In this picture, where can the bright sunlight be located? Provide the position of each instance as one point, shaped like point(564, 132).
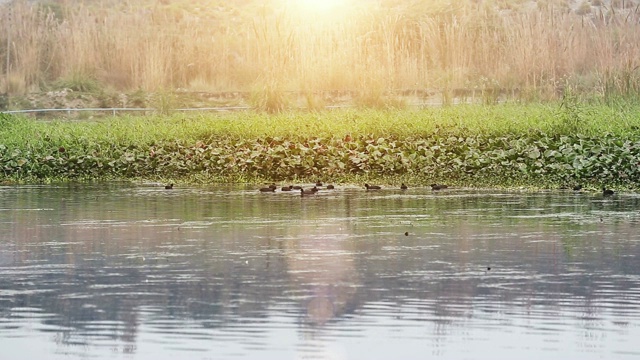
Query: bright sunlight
point(320, 5)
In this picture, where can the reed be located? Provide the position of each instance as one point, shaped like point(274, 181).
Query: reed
point(530, 52)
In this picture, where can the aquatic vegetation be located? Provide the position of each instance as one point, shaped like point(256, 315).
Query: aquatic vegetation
point(475, 145)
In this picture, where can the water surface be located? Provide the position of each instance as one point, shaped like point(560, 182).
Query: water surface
point(218, 272)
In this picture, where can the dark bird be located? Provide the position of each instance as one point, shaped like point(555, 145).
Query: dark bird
point(297, 187)
point(330, 187)
point(438, 186)
point(168, 187)
point(577, 188)
point(406, 233)
point(268, 189)
point(607, 192)
point(318, 183)
point(307, 192)
point(372, 187)
point(403, 187)
point(287, 188)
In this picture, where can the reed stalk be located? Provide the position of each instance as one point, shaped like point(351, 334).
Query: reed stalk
point(527, 51)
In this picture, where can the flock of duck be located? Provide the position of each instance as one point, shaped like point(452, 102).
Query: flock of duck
point(303, 191)
point(319, 184)
point(605, 192)
point(273, 187)
point(435, 187)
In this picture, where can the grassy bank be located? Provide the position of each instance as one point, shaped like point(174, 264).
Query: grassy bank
point(506, 145)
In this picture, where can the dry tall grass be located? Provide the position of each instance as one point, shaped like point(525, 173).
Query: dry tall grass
point(531, 51)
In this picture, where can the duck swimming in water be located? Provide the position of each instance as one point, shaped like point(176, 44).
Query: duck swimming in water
point(607, 192)
point(372, 187)
point(271, 188)
point(308, 192)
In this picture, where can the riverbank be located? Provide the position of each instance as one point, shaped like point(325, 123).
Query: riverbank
point(477, 145)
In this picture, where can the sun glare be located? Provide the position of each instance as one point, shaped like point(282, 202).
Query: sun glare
point(318, 6)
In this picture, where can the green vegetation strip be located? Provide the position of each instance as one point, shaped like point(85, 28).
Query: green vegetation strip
point(502, 145)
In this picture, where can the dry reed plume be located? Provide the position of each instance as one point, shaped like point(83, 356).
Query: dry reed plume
point(447, 45)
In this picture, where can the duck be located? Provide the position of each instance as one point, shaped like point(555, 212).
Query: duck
point(287, 188)
point(330, 187)
point(168, 187)
point(607, 192)
point(372, 187)
point(577, 187)
point(318, 183)
point(270, 188)
point(438, 186)
point(311, 191)
point(297, 187)
point(403, 187)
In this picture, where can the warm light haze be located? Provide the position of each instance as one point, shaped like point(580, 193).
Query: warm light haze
point(525, 48)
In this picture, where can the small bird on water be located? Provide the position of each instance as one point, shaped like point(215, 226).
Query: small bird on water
point(271, 188)
point(372, 187)
point(308, 192)
point(403, 187)
point(168, 187)
point(438, 186)
point(607, 192)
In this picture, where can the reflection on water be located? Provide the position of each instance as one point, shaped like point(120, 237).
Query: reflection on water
point(115, 271)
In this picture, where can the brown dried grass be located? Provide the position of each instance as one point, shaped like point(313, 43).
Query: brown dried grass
point(447, 45)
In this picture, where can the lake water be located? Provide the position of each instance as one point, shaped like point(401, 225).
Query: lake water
point(136, 272)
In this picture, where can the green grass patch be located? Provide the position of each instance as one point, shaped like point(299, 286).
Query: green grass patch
point(555, 119)
point(500, 145)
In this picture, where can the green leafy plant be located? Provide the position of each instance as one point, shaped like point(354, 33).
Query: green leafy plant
point(459, 144)
point(571, 112)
